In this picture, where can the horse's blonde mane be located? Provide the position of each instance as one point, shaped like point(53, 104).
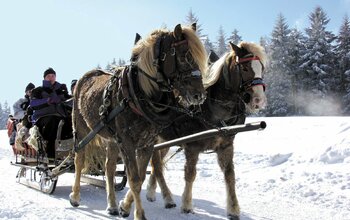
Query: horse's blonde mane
point(213, 73)
point(144, 50)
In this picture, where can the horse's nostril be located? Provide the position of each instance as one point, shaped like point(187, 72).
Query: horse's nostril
point(196, 97)
point(256, 100)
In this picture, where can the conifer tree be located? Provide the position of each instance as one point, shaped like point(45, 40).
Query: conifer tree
point(296, 48)
point(114, 62)
point(235, 37)
point(208, 45)
point(192, 18)
point(318, 61)
point(221, 44)
point(279, 74)
point(343, 57)
point(121, 62)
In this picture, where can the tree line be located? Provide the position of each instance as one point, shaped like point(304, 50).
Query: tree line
point(308, 71)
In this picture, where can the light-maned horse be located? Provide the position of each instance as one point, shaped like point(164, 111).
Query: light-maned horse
point(237, 89)
point(165, 71)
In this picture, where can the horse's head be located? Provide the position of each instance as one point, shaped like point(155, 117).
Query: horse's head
point(175, 61)
point(249, 60)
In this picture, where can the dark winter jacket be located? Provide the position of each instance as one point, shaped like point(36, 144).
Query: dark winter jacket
point(47, 100)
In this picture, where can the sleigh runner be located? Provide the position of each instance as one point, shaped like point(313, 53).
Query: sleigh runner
point(38, 171)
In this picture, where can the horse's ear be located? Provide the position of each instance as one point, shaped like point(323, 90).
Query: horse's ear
point(137, 38)
point(194, 26)
point(213, 57)
point(236, 49)
point(178, 32)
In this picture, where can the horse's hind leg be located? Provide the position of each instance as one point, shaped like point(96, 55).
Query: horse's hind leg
point(157, 174)
point(225, 160)
point(190, 176)
point(110, 165)
point(74, 196)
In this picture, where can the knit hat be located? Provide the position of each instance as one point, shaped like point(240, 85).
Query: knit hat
point(49, 71)
point(30, 86)
point(72, 84)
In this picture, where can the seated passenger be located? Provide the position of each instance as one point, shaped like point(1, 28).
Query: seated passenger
point(19, 110)
point(48, 109)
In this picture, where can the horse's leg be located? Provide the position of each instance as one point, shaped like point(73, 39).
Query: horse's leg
point(135, 184)
point(74, 196)
point(190, 176)
point(110, 166)
point(152, 181)
point(225, 160)
point(157, 174)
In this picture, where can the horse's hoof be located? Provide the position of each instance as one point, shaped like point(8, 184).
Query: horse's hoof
point(151, 198)
point(170, 205)
point(232, 217)
point(113, 211)
point(122, 211)
point(74, 203)
point(187, 211)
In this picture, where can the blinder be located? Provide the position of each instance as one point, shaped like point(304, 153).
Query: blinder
point(174, 60)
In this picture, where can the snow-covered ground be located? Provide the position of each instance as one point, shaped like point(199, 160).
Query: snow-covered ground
point(297, 168)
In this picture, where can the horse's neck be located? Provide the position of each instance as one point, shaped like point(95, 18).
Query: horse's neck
point(223, 103)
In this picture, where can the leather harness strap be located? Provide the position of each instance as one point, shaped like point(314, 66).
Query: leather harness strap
point(124, 86)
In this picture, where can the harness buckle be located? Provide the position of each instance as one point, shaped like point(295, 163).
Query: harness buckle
point(172, 51)
point(163, 57)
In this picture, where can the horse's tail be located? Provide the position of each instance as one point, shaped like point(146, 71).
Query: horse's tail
point(95, 156)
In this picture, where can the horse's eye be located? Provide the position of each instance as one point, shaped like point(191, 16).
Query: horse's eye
point(244, 68)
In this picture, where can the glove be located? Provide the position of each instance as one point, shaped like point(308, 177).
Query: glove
point(54, 100)
point(24, 105)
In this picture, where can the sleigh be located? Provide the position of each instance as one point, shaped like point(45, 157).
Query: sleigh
point(38, 171)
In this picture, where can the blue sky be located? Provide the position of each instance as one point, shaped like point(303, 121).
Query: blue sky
point(74, 36)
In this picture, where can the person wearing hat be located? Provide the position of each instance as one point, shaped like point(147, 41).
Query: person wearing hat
point(21, 105)
point(48, 109)
point(19, 110)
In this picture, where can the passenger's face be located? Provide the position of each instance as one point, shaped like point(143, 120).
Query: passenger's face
point(51, 78)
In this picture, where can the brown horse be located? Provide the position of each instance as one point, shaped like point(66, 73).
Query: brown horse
point(165, 71)
point(237, 88)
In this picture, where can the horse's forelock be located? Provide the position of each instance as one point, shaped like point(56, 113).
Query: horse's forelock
point(197, 49)
point(256, 50)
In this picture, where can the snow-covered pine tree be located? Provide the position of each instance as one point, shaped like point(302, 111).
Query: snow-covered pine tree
point(221, 44)
point(318, 61)
point(2, 117)
point(208, 45)
point(114, 62)
point(235, 37)
point(278, 76)
point(108, 66)
point(343, 57)
point(296, 49)
point(121, 62)
point(4, 113)
point(192, 18)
